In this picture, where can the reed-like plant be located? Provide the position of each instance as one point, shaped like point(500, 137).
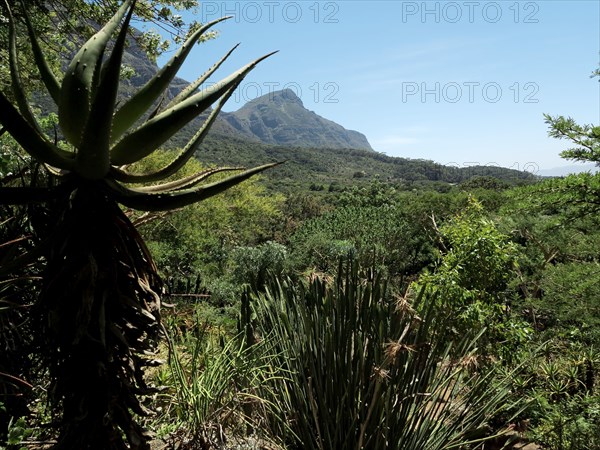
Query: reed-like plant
point(367, 370)
point(214, 382)
point(100, 303)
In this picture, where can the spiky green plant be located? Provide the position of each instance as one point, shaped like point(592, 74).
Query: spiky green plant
point(367, 370)
point(214, 381)
point(100, 300)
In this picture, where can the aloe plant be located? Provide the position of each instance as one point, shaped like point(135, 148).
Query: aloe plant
point(100, 301)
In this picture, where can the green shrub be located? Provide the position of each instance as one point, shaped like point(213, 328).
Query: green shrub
point(251, 264)
point(386, 235)
point(364, 370)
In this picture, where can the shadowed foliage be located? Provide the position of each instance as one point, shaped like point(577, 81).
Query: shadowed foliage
point(99, 308)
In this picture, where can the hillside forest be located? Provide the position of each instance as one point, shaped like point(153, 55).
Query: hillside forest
point(226, 299)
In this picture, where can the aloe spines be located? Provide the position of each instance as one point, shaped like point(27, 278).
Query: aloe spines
point(78, 87)
point(94, 158)
point(137, 105)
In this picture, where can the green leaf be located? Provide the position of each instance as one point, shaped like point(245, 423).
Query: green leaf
point(191, 88)
point(137, 105)
point(144, 201)
point(78, 84)
point(93, 160)
point(31, 141)
point(47, 76)
point(158, 130)
point(187, 182)
point(185, 154)
point(17, 86)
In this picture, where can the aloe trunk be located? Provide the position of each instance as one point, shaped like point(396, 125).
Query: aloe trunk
point(101, 301)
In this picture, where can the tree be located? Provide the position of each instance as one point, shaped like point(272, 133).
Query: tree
point(471, 277)
point(199, 237)
point(585, 137)
point(100, 301)
point(579, 194)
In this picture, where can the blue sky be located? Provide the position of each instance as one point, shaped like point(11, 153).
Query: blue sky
point(455, 82)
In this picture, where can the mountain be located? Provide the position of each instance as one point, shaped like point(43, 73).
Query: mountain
point(277, 118)
point(277, 127)
point(280, 118)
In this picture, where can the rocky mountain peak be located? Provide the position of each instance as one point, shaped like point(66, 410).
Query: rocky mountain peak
point(281, 97)
point(280, 118)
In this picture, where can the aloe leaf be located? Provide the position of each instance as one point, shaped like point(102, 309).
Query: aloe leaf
point(137, 105)
point(192, 87)
point(155, 132)
point(78, 82)
point(156, 110)
point(144, 201)
point(93, 161)
point(183, 157)
point(12, 53)
point(17, 86)
point(187, 182)
point(47, 76)
point(55, 171)
point(31, 141)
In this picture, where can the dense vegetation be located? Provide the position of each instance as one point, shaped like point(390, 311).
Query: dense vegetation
point(335, 169)
point(511, 263)
point(392, 304)
point(526, 282)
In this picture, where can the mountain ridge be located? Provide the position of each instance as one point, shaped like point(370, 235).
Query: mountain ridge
point(232, 141)
point(280, 118)
point(325, 162)
point(331, 168)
